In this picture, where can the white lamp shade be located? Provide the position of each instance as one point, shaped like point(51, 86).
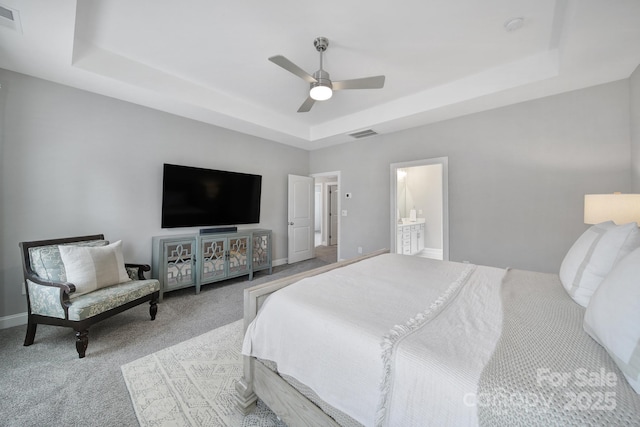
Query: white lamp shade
point(320, 93)
point(619, 208)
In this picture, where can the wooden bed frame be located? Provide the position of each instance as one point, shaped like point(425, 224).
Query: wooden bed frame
point(284, 400)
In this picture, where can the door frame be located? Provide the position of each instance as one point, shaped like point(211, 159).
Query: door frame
point(319, 204)
point(444, 161)
point(327, 186)
point(338, 182)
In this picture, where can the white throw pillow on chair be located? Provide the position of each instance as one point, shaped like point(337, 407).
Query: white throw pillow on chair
point(91, 268)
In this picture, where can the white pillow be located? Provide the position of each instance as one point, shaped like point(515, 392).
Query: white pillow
point(91, 268)
point(593, 256)
point(613, 316)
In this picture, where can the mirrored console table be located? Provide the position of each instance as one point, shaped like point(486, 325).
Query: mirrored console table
point(181, 261)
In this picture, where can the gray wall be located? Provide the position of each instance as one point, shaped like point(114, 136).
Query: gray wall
point(634, 84)
point(77, 163)
point(517, 176)
point(74, 163)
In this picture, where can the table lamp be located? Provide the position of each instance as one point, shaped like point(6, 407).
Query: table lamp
point(617, 207)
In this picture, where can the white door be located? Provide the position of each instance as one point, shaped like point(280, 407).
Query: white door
point(333, 215)
point(301, 218)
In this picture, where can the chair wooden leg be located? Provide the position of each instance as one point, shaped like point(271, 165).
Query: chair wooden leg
point(153, 308)
point(31, 333)
point(82, 341)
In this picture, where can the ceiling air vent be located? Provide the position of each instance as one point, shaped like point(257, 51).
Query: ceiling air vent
point(10, 18)
point(363, 133)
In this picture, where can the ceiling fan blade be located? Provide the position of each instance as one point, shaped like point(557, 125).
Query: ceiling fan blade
point(306, 105)
point(292, 68)
point(375, 82)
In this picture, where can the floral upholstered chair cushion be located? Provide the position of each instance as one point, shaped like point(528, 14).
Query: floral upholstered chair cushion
point(104, 299)
point(47, 263)
point(45, 300)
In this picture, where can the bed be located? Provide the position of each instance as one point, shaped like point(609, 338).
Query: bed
point(396, 340)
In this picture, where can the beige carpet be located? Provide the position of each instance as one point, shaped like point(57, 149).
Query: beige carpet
point(193, 383)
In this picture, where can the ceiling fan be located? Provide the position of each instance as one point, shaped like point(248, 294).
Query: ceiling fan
point(321, 86)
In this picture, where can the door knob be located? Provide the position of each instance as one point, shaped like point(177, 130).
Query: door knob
point(290, 223)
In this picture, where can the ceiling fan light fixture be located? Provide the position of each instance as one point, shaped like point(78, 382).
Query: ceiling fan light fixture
point(320, 92)
point(321, 89)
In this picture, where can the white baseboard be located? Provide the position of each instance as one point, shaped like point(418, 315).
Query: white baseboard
point(278, 262)
point(432, 253)
point(13, 320)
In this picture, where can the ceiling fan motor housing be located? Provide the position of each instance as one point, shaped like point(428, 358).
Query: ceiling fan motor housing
point(322, 78)
point(321, 44)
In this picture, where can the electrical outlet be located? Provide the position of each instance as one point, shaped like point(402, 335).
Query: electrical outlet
point(359, 249)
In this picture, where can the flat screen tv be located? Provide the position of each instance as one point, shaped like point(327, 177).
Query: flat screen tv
point(194, 197)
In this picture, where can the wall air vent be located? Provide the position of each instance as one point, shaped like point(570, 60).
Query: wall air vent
point(10, 18)
point(363, 133)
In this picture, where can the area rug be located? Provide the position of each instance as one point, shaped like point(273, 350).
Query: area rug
point(193, 384)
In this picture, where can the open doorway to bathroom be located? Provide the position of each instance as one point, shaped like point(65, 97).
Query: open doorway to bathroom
point(419, 208)
point(327, 219)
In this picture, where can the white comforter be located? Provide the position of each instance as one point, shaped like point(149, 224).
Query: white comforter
point(392, 340)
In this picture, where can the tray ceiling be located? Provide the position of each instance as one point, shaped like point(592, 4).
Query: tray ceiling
point(208, 60)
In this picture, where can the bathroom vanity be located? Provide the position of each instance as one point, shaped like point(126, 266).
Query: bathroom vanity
point(410, 236)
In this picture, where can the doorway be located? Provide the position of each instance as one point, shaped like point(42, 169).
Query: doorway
point(419, 208)
point(327, 221)
point(300, 211)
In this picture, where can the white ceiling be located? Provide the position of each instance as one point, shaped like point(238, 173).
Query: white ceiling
point(207, 60)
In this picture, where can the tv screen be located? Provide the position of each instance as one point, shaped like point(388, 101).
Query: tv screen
point(205, 197)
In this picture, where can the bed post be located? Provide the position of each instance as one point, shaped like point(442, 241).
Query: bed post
point(246, 398)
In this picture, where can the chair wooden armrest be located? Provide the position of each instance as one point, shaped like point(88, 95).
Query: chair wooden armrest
point(65, 287)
